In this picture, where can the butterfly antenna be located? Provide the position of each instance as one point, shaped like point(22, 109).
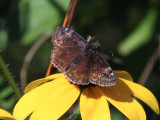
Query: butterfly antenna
point(109, 51)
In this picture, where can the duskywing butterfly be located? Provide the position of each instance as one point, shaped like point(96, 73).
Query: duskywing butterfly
point(78, 60)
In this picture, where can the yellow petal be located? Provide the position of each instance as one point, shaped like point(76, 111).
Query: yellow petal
point(58, 103)
point(143, 94)
point(31, 100)
point(124, 103)
point(123, 74)
point(5, 115)
point(93, 106)
point(38, 82)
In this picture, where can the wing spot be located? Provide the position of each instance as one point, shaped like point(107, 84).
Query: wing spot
point(94, 74)
point(82, 76)
point(111, 75)
point(68, 35)
point(102, 75)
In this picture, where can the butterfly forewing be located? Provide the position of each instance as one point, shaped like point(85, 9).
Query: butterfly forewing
point(68, 44)
point(62, 56)
point(66, 37)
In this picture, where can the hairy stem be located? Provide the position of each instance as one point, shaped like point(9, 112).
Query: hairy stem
point(10, 78)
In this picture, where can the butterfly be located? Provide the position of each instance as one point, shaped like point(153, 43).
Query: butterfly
point(79, 60)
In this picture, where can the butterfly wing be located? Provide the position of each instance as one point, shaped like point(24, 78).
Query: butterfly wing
point(100, 72)
point(68, 44)
point(78, 71)
point(66, 37)
point(61, 57)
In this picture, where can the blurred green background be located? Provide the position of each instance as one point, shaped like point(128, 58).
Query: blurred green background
point(128, 28)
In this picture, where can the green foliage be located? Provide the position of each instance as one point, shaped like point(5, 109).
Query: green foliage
point(142, 34)
point(40, 17)
point(6, 102)
point(3, 39)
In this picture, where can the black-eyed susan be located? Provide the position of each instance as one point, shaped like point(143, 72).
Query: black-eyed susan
point(49, 98)
point(6, 115)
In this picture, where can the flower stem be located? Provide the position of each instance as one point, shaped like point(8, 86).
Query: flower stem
point(75, 115)
point(70, 13)
point(9, 77)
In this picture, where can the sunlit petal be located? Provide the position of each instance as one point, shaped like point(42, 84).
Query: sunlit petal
point(31, 100)
point(125, 103)
point(143, 94)
point(38, 82)
point(5, 115)
point(58, 103)
point(122, 74)
point(127, 87)
point(93, 106)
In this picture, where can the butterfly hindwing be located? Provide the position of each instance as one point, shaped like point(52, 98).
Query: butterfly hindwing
point(78, 71)
point(100, 72)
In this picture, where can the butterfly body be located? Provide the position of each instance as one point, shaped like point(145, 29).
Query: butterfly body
point(80, 62)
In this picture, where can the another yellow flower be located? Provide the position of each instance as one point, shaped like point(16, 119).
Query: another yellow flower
point(49, 98)
point(6, 115)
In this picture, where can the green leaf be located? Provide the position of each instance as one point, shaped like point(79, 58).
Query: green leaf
point(9, 103)
point(3, 39)
point(43, 16)
point(5, 92)
point(1, 79)
point(141, 35)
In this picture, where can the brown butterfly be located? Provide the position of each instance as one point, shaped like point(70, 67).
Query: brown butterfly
point(79, 61)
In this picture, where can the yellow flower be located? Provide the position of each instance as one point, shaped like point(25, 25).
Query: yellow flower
point(6, 115)
point(49, 98)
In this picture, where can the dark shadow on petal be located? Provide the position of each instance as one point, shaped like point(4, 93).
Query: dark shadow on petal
point(92, 92)
point(120, 92)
